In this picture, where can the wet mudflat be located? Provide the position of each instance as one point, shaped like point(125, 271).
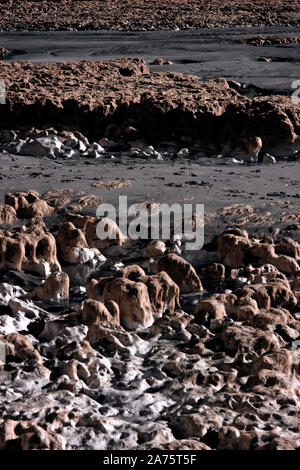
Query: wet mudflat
point(207, 53)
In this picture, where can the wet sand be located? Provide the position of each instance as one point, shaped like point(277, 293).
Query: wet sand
point(269, 188)
point(205, 53)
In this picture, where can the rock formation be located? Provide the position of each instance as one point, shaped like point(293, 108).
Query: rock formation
point(29, 248)
point(235, 249)
point(143, 15)
point(130, 286)
point(28, 204)
point(211, 112)
point(56, 286)
point(182, 272)
point(73, 247)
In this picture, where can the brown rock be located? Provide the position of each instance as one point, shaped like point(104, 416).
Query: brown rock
point(208, 310)
point(147, 15)
point(19, 346)
point(205, 108)
point(163, 292)
point(191, 425)
point(233, 246)
point(70, 241)
point(184, 444)
point(249, 340)
point(213, 272)
point(133, 300)
point(95, 312)
point(274, 316)
point(287, 246)
point(28, 204)
point(95, 288)
point(160, 61)
point(278, 443)
point(235, 249)
point(231, 438)
point(28, 248)
point(279, 361)
point(27, 435)
point(79, 221)
point(246, 309)
point(132, 272)
point(8, 214)
point(272, 294)
point(181, 271)
point(113, 235)
point(155, 248)
point(246, 148)
point(56, 286)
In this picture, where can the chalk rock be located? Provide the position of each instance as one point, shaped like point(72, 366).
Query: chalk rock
point(268, 159)
point(42, 146)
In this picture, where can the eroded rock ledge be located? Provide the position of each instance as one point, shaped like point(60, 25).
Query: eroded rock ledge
point(121, 96)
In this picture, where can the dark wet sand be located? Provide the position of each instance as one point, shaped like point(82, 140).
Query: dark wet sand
point(214, 185)
point(207, 53)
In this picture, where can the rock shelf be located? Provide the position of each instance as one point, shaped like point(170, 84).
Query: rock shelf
point(124, 100)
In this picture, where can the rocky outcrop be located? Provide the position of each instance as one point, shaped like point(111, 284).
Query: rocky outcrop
point(133, 301)
point(28, 204)
point(114, 93)
point(262, 40)
point(106, 227)
point(235, 249)
point(8, 214)
point(213, 272)
point(29, 248)
point(4, 52)
point(181, 271)
point(243, 148)
point(19, 347)
point(79, 240)
point(71, 243)
point(95, 312)
point(140, 298)
point(27, 435)
point(163, 292)
point(56, 286)
point(128, 367)
point(73, 247)
point(155, 248)
point(144, 15)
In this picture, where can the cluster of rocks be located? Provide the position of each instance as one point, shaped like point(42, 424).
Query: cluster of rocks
point(4, 52)
point(148, 355)
point(48, 144)
point(145, 15)
point(272, 41)
point(67, 145)
point(115, 100)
